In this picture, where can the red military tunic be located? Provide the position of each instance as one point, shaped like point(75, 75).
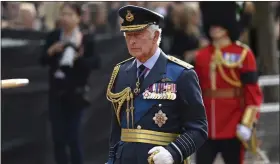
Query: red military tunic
point(229, 89)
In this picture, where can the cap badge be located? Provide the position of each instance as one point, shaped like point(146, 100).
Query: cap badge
point(129, 17)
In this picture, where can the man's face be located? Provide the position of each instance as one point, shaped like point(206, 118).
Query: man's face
point(217, 32)
point(139, 43)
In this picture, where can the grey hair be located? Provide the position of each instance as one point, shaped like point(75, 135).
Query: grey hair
point(152, 29)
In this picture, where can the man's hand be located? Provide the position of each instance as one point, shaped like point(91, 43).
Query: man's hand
point(244, 132)
point(162, 157)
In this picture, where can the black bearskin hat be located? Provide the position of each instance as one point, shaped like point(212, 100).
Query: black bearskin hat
point(228, 15)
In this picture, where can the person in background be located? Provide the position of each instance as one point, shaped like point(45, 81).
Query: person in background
point(170, 24)
point(159, 7)
point(101, 19)
point(11, 10)
point(113, 17)
point(248, 10)
point(27, 17)
point(85, 24)
point(70, 57)
point(228, 77)
point(186, 35)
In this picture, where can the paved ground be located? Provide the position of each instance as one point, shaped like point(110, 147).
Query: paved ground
point(268, 133)
point(249, 160)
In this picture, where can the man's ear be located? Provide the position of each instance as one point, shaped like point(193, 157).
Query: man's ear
point(156, 37)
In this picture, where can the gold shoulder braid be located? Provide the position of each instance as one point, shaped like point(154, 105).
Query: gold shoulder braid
point(180, 62)
point(220, 62)
point(241, 44)
point(118, 99)
point(125, 61)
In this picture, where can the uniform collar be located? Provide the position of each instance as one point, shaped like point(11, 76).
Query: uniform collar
point(150, 62)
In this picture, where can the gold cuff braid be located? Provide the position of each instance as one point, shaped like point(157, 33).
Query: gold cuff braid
point(250, 116)
point(252, 144)
point(248, 120)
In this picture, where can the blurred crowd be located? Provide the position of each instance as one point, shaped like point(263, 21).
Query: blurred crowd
point(182, 20)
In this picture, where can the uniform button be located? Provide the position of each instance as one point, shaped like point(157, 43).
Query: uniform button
point(159, 105)
point(139, 127)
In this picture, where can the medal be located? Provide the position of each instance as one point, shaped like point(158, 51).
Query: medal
point(174, 96)
point(161, 91)
point(171, 96)
point(146, 94)
point(156, 91)
point(157, 95)
point(160, 96)
point(168, 96)
point(150, 92)
point(175, 91)
point(168, 90)
point(152, 95)
point(153, 92)
point(164, 95)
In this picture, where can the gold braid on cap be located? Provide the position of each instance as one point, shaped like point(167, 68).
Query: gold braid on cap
point(119, 98)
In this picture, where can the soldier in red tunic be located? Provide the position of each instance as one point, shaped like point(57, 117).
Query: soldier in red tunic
point(228, 77)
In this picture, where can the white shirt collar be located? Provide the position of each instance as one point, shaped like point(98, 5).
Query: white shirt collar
point(150, 62)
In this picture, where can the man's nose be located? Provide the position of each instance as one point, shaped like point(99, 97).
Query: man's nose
point(132, 41)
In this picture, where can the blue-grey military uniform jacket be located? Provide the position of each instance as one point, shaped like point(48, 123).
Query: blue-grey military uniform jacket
point(184, 115)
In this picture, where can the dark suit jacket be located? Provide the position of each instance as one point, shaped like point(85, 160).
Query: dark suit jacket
point(76, 76)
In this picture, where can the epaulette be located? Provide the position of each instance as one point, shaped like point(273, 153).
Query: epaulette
point(125, 61)
point(179, 62)
point(242, 45)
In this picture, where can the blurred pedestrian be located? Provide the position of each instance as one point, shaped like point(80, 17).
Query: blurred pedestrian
point(185, 32)
point(229, 80)
point(86, 24)
point(70, 56)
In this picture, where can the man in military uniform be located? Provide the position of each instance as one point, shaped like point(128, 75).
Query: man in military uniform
point(159, 115)
point(228, 78)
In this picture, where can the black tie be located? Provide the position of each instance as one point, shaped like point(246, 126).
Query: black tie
point(141, 74)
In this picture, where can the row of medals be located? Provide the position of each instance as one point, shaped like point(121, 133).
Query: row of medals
point(162, 91)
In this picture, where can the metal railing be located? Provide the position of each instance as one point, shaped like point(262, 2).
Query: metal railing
point(265, 81)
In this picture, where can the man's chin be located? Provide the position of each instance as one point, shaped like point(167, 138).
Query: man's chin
point(218, 35)
point(136, 54)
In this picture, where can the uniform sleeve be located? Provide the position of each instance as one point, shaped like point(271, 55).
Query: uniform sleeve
point(194, 122)
point(114, 136)
point(252, 92)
